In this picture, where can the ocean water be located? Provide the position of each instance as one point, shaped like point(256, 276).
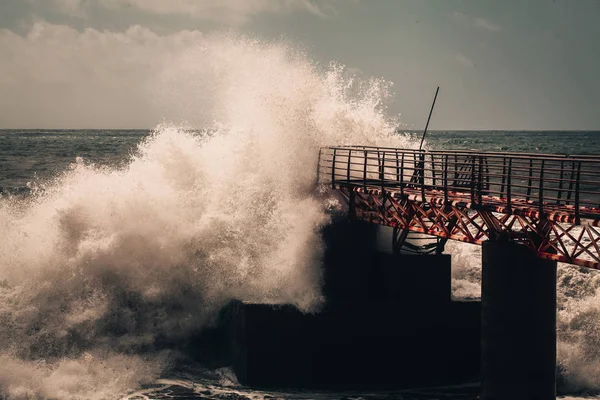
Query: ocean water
point(115, 242)
point(547, 142)
point(52, 175)
point(31, 157)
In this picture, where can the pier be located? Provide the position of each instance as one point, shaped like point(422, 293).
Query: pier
point(389, 321)
point(527, 211)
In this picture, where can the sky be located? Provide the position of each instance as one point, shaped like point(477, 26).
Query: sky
point(500, 65)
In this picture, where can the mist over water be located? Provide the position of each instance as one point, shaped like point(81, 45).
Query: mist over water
point(103, 266)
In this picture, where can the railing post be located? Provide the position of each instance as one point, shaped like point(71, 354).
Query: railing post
point(318, 167)
point(570, 192)
point(422, 177)
point(333, 169)
point(382, 172)
point(472, 179)
point(503, 176)
point(348, 168)
point(529, 179)
point(541, 192)
point(480, 181)
point(577, 187)
point(560, 182)
point(487, 173)
point(365, 172)
point(509, 187)
point(402, 176)
point(397, 167)
point(433, 180)
point(446, 179)
point(456, 167)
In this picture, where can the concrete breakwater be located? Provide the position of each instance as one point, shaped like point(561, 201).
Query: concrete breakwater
point(389, 322)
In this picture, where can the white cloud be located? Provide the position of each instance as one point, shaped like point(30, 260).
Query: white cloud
point(464, 60)
point(487, 25)
point(477, 22)
point(70, 7)
point(56, 75)
point(236, 11)
point(459, 17)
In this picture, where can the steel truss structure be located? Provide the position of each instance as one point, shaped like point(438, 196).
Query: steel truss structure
point(564, 230)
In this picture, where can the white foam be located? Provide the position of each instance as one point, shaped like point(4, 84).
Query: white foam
point(106, 260)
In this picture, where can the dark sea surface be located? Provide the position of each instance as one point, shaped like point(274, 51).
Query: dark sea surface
point(34, 156)
point(28, 156)
point(31, 159)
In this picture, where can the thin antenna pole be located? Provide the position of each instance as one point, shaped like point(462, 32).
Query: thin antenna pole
point(430, 112)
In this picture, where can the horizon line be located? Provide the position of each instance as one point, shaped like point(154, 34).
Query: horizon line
point(397, 129)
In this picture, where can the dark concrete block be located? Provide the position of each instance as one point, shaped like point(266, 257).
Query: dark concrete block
point(518, 323)
point(273, 345)
point(281, 347)
point(357, 275)
point(389, 323)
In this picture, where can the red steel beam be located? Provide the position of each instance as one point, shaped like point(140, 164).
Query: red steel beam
point(552, 238)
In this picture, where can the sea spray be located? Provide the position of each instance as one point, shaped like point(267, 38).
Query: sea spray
point(105, 264)
point(466, 270)
point(578, 328)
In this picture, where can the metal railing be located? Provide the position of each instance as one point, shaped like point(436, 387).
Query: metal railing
point(546, 182)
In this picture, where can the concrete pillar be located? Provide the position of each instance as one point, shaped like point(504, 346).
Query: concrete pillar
point(518, 324)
